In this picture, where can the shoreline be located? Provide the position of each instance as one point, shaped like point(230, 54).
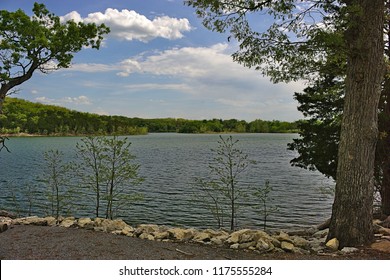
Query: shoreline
point(307, 241)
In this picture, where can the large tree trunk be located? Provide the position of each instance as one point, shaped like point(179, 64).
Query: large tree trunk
point(351, 221)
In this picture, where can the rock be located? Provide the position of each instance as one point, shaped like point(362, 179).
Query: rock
point(259, 234)
point(127, 230)
point(333, 244)
point(383, 246)
point(235, 236)
point(385, 237)
point(147, 236)
point(300, 242)
point(213, 233)
point(202, 237)
point(276, 242)
point(33, 220)
point(348, 250)
point(263, 245)
point(234, 246)
point(161, 235)
point(219, 240)
point(51, 221)
point(287, 246)
point(118, 224)
point(85, 222)
point(147, 228)
point(384, 231)
point(245, 238)
point(3, 227)
point(98, 222)
point(321, 233)
point(246, 245)
point(68, 222)
point(112, 225)
point(386, 222)
point(181, 234)
point(284, 237)
point(6, 220)
point(7, 214)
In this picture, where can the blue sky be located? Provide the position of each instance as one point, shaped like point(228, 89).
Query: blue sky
point(158, 61)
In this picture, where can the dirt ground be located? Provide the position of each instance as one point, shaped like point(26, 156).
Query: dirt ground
point(21, 242)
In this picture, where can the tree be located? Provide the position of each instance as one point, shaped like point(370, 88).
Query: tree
point(223, 189)
point(293, 47)
point(56, 179)
point(106, 167)
point(41, 42)
point(263, 195)
point(90, 168)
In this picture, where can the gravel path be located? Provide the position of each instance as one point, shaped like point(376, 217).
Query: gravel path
point(58, 243)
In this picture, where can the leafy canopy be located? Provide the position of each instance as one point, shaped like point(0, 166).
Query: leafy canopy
point(41, 42)
point(294, 45)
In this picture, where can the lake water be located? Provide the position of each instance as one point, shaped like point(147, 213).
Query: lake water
point(170, 163)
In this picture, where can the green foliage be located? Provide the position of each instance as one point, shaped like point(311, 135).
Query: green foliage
point(106, 167)
point(291, 48)
point(263, 195)
point(21, 116)
point(317, 146)
point(41, 42)
point(222, 190)
point(56, 178)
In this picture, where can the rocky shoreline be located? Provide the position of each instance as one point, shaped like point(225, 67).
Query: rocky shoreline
point(308, 241)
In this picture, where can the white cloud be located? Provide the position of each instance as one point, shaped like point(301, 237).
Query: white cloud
point(205, 75)
point(129, 25)
point(80, 100)
point(92, 67)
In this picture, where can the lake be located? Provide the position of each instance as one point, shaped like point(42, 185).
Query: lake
point(170, 163)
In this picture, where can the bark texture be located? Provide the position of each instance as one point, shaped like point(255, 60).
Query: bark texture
point(385, 152)
point(351, 221)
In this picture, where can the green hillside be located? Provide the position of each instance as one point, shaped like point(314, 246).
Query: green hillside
point(21, 116)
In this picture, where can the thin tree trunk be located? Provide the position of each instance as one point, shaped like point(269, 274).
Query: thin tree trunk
point(351, 221)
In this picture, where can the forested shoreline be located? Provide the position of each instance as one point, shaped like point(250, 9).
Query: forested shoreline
point(23, 117)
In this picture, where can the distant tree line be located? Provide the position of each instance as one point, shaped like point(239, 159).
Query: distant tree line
point(21, 116)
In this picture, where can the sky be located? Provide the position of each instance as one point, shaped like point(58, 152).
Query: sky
point(158, 61)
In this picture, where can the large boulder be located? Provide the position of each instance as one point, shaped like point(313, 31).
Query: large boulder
point(333, 244)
